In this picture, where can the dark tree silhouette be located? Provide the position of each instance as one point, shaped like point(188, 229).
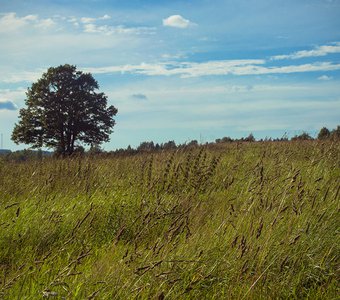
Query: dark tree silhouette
point(324, 134)
point(146, 146)
point(250, 138)
point(335, 133)
point(302, 137)
point(63, 108)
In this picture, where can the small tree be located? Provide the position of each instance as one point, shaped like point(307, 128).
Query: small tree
point(192, 144)
point(250, 138)
point(146, 146)
point(63, 108)
point(227, 139)
point(324, 134)
point(169, 145)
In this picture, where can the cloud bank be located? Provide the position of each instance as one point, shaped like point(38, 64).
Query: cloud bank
point(187, 69)
point(214, 68)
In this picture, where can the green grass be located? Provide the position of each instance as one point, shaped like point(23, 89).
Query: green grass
point(237, 221)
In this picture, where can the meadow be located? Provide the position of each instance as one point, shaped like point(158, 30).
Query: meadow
point(231, 221)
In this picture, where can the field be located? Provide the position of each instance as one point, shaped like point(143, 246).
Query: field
point(230, 221)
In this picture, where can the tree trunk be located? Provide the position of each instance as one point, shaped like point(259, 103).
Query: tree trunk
point(62, 141)
point(68, 141)
point(72, 141)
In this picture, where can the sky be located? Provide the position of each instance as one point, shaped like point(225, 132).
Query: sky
point(182, 70)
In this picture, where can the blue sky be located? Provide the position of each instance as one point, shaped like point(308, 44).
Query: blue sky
point(182, 70)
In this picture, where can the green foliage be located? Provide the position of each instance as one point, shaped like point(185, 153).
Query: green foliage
point(233, 221)
point(63, 108)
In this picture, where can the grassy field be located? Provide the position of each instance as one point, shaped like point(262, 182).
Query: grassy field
point(234, 221)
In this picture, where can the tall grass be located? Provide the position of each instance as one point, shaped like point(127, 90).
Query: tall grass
point(239, 221)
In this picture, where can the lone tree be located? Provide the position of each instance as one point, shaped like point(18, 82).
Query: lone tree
point(63, 109)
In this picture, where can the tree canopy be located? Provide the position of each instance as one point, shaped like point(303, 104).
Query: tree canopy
point(64, 110)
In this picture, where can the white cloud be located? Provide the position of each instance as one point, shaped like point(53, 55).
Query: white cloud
point(105, 17)
point(45, 23)
point(10, 22)
point(184, 69)
point(223, 67)
point(259, 70)
point(177, 21)
point(189, 69)
point(91, 28)
point(317, 51)
point(174, 56)
point(30, 18)
point(87, 20)
point(74, 21)
point(325, 78)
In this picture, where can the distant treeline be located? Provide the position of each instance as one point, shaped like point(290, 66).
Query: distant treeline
point(324, 134)
point(144, 147)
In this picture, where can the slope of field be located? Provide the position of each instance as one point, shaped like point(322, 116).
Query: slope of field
point(235, 221)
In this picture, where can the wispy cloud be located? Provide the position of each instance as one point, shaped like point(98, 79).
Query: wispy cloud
point(20, 76)
point(317, 51)
point(177, 21)
point(7, 105)
point(184, 69)
point(96, 25)
point(190, 69)
point(174, 56)
point(89, 26)
point(17, 94)
point(111, 30)
point(92, 20)
point(220, 67)
point(10, 22)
